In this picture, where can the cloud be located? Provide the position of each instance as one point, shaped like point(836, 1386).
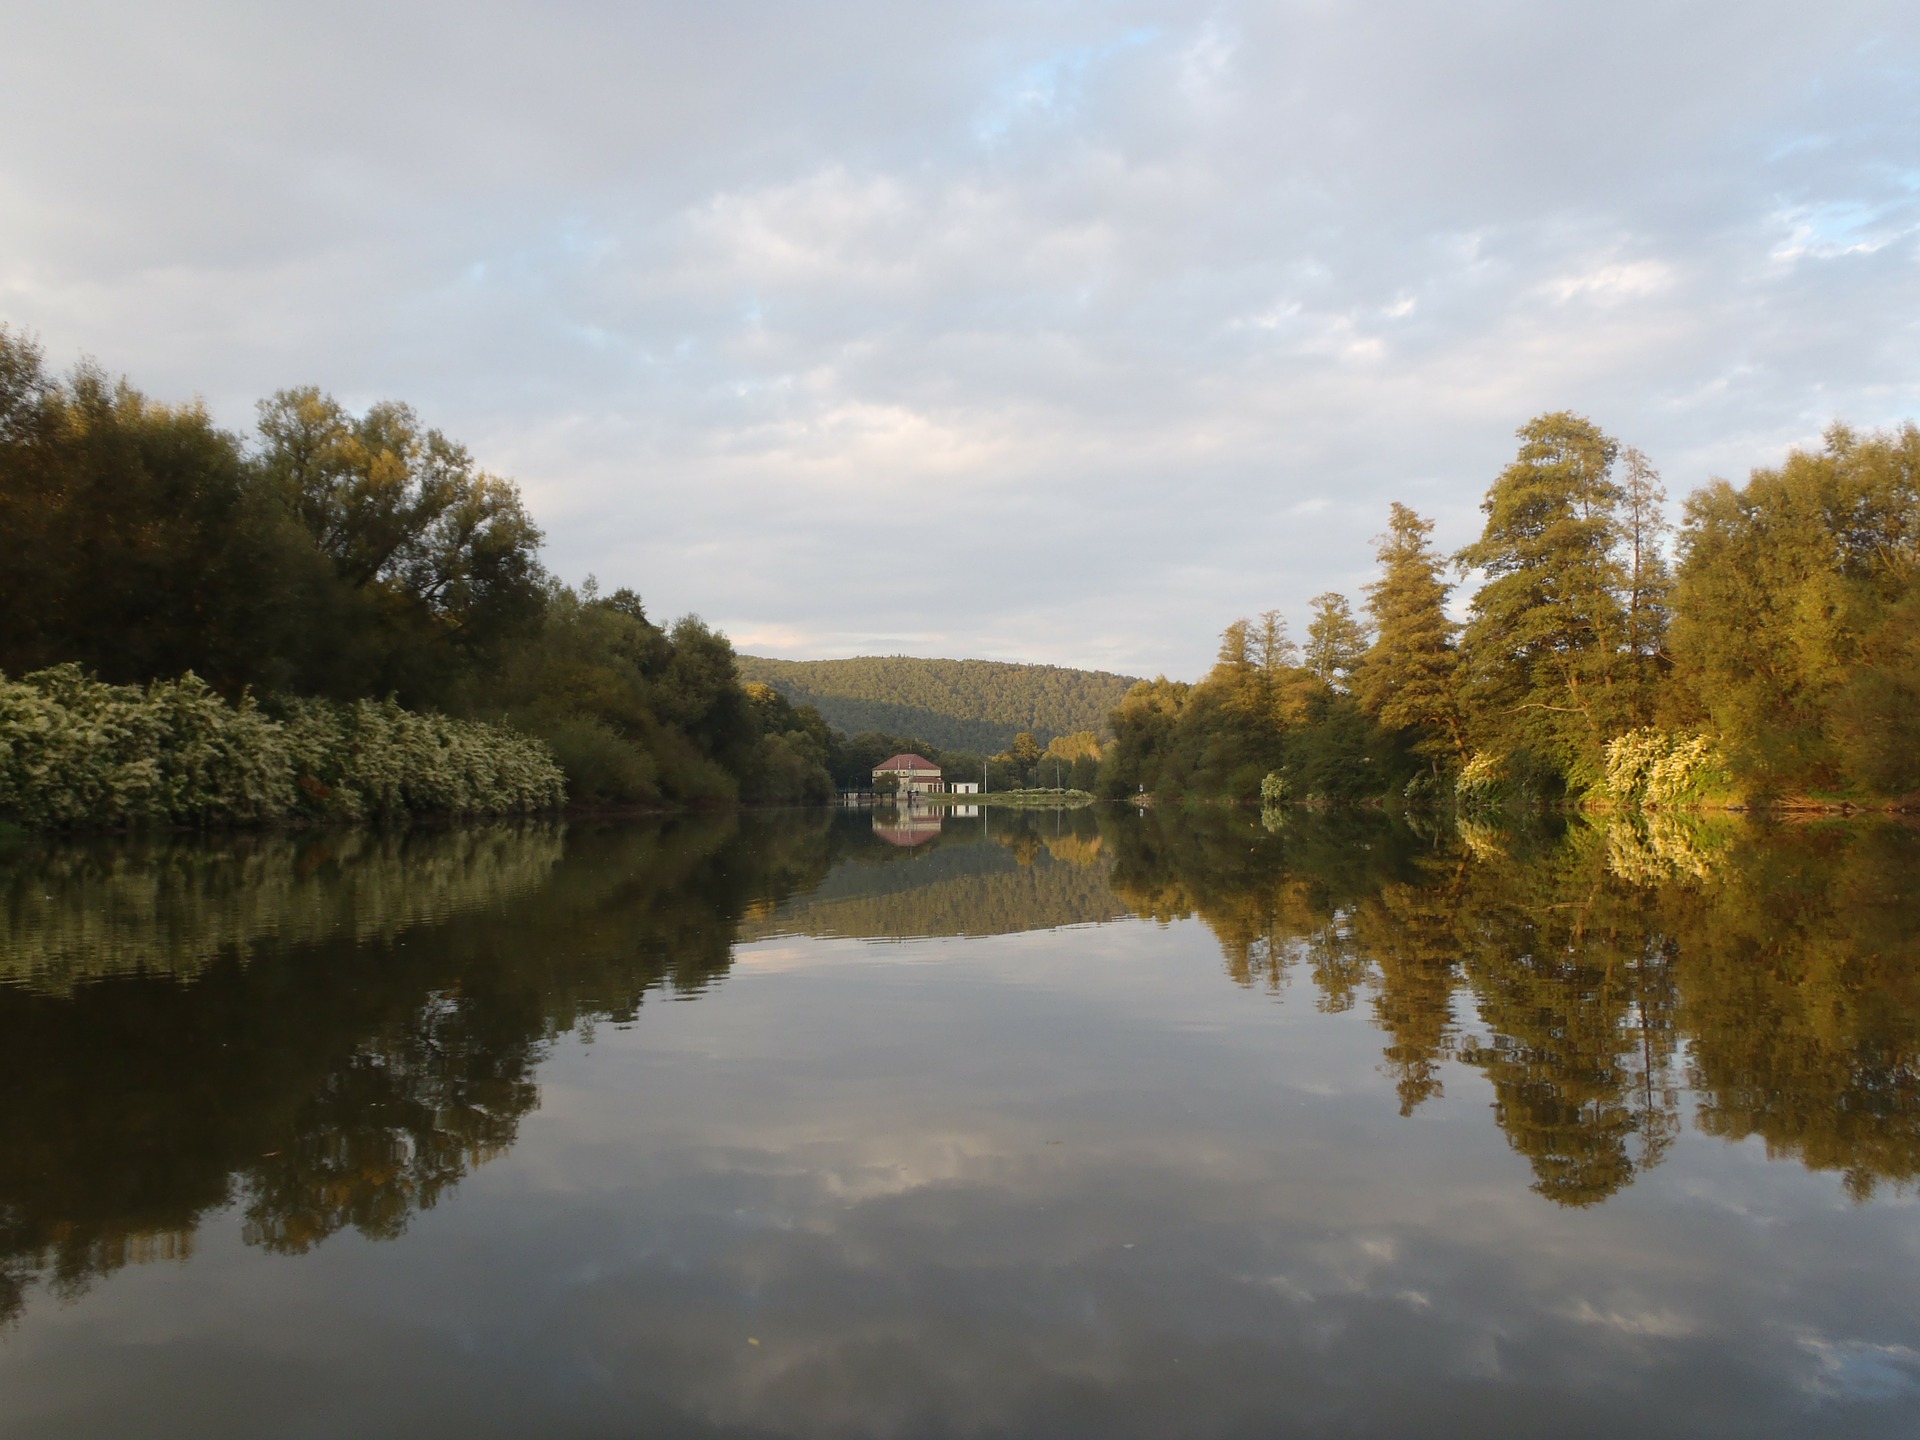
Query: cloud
point(1106, 292)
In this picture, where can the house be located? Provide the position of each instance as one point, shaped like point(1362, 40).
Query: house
point(907, 775)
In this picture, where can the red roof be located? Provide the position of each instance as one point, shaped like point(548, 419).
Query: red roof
point(907, 762)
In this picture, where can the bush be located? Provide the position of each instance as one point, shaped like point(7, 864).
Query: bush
point(1482, 781)
point(371, 758)
point(77, 752)
point(1652, 767)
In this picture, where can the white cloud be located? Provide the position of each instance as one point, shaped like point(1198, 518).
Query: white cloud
point(1109, 291)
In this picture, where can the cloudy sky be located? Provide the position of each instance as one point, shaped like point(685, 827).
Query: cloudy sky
point(1053, 331)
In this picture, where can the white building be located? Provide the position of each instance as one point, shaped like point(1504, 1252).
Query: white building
point(907, 775)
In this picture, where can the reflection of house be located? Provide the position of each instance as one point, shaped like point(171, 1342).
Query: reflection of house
point(913, 827)
point(907, 774)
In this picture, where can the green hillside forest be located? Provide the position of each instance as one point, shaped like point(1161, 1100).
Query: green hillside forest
point(967, 705)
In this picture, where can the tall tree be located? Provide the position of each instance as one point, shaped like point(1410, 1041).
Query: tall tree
point(138, 539)
point(1406, 678)
point(1797, 624)
point(1543, 650)
point(1275, 658)
point(1336, 641)
point(1644, 528)
point(444, 554)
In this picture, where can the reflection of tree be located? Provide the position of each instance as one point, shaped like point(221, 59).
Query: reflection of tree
point(1564, 962)
point(1799, 992)
point(395, 1126)
point(1266, 896)
point(1407, 928)
point(345, 1074)
point(77, 910)
point(345, 1081)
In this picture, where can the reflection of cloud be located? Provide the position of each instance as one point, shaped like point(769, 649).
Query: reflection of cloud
point(1862, 1370)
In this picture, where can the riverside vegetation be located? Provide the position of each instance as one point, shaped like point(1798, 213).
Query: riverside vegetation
point(343, 616)
point(1774, 659)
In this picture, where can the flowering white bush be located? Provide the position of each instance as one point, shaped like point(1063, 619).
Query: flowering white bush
point(75, 751)
point(1480, 780)
point(1654, 767)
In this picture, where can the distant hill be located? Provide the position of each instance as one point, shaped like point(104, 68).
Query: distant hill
point(977, 705)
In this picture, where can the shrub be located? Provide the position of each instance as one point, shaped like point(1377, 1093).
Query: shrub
point(1482, 781)
point(1653, 768)
point(77, 752)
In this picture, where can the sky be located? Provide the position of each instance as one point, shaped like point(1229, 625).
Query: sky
point(1049, 331)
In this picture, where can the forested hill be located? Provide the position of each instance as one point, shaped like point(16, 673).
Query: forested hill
point(977, 705)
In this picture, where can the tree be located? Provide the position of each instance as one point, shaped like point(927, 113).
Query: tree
point(1406, 678)
point(1025, 753)
point(1336, 641)
point(1644, 527)
point(442, 554)
point(1797, 616)
point(139, 541)
point(1544, 649)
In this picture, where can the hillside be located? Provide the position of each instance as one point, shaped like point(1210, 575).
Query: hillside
point(977, 705)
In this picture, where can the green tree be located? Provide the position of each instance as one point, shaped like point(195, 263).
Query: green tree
point(1797, 616)
point(138, 541)
point(1406, 678)
point(1025, 752)
point(442, 554)
point(1544, 650)
point(1336, 641)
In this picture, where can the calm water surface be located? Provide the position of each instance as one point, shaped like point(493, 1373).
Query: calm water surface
point(1082, 1124)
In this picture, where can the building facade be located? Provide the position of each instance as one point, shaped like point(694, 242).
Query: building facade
point(907, 775)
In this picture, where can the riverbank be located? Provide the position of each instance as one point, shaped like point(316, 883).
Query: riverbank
point(1014, 799)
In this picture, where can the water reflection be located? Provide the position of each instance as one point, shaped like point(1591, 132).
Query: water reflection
point(330, 1033)
point(1592, 972)
point(987, 876)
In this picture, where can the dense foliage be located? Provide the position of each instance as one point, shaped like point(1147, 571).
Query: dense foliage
point(976, 706)
point(75, 751)
point(1776, 655)
point(350, 558)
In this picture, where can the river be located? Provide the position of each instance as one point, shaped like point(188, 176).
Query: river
point(1084, 1123)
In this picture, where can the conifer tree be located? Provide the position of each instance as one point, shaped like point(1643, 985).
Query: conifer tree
point(1543, 651)
point(1644, 525)
point(1406, 678)
point(1336, 640)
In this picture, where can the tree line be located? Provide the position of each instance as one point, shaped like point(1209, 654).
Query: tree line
point(1766, 649)
point(343, 557)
